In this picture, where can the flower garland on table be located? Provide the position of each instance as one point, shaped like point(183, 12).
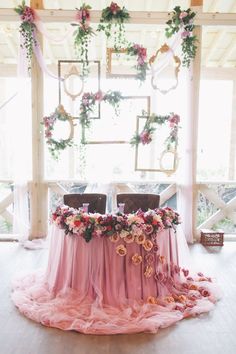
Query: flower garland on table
point(27, 30)
point(56, 146)
point(83, 34)
point(142, 64)
point(89, 99)
point(114, 15)
point(138, 227)
point(146, 135)
point(183, 21)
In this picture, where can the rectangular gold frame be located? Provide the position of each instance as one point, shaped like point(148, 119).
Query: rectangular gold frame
point(148, 98)
point(169, 172)
point(109, 74)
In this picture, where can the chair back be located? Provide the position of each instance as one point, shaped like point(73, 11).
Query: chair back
point(135, 201)
point(96, 201)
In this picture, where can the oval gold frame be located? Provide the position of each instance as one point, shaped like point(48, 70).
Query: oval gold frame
point(164, 49)
point(73, 72)
point(176, 161)
point(69, 120)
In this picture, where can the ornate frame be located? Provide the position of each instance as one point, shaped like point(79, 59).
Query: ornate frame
point(177, 62)
point(169, 172)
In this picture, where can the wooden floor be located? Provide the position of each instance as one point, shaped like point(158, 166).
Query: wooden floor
point(213, 333)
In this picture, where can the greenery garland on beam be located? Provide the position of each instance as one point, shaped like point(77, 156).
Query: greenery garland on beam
point(27, 30)
point(83, 35)
point(114, 15)
point(182, 20)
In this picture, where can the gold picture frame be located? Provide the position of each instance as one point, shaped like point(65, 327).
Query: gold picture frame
point(172, 151)
point(112, 53)
point(147, 109)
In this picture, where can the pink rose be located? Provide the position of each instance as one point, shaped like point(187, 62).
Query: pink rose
point(174, 120)
point(183, 14)
point(99, 96)
point(185, 34)
point(145, 137)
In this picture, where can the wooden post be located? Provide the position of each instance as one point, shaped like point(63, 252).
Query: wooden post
point(232, 154)
point(38, 189)
point(195, 88)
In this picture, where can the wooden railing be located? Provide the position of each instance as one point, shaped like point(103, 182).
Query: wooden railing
point(221, 209)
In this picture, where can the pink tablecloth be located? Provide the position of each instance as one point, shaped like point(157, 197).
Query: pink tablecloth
point(89, 288)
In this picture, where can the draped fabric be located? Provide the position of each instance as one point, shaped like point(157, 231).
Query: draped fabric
point(89, 288)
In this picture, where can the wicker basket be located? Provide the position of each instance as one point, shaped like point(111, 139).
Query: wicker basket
point(212, 238)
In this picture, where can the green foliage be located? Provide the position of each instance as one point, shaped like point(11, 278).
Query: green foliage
point(182, 20)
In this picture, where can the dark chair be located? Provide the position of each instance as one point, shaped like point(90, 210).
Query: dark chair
point(97, 201)
point(135, 201)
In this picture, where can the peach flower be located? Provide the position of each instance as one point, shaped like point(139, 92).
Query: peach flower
point(137, 259)
point(147, 245)
point(169, 299)
point(129, 238)
point(114, 238)
point(140, 239)
point(162, 259)
point(151, 300)
point(148, 271)
point(193, 287)
point(121, 250)
point(182, 298)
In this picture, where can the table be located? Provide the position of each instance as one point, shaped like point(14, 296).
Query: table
point(127, 282)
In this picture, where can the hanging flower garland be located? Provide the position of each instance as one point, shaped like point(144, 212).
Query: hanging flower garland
point(146, 136)
point(27, 30)
point(142, 65)
point(89, 100)
point(83, 35)
point(56, 146)
point(183, 21)
point(114, 15)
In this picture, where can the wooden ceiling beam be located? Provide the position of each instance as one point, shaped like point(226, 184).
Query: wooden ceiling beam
point(196, 3)
point(228, 52)
point(212, 48)
point(137, 17)
point(37, 4)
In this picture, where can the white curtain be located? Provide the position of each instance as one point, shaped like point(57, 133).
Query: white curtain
point(185, 172)
point(21, 159)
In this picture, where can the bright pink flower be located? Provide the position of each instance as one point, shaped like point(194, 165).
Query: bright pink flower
point(183, 14)
point(28, 15)
point(99, 96)
point(185, 34)
point(145, 137)
point(174, 120)
point(114, 8)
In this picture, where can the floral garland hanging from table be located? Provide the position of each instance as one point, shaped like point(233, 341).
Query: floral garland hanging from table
point(137, 227)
